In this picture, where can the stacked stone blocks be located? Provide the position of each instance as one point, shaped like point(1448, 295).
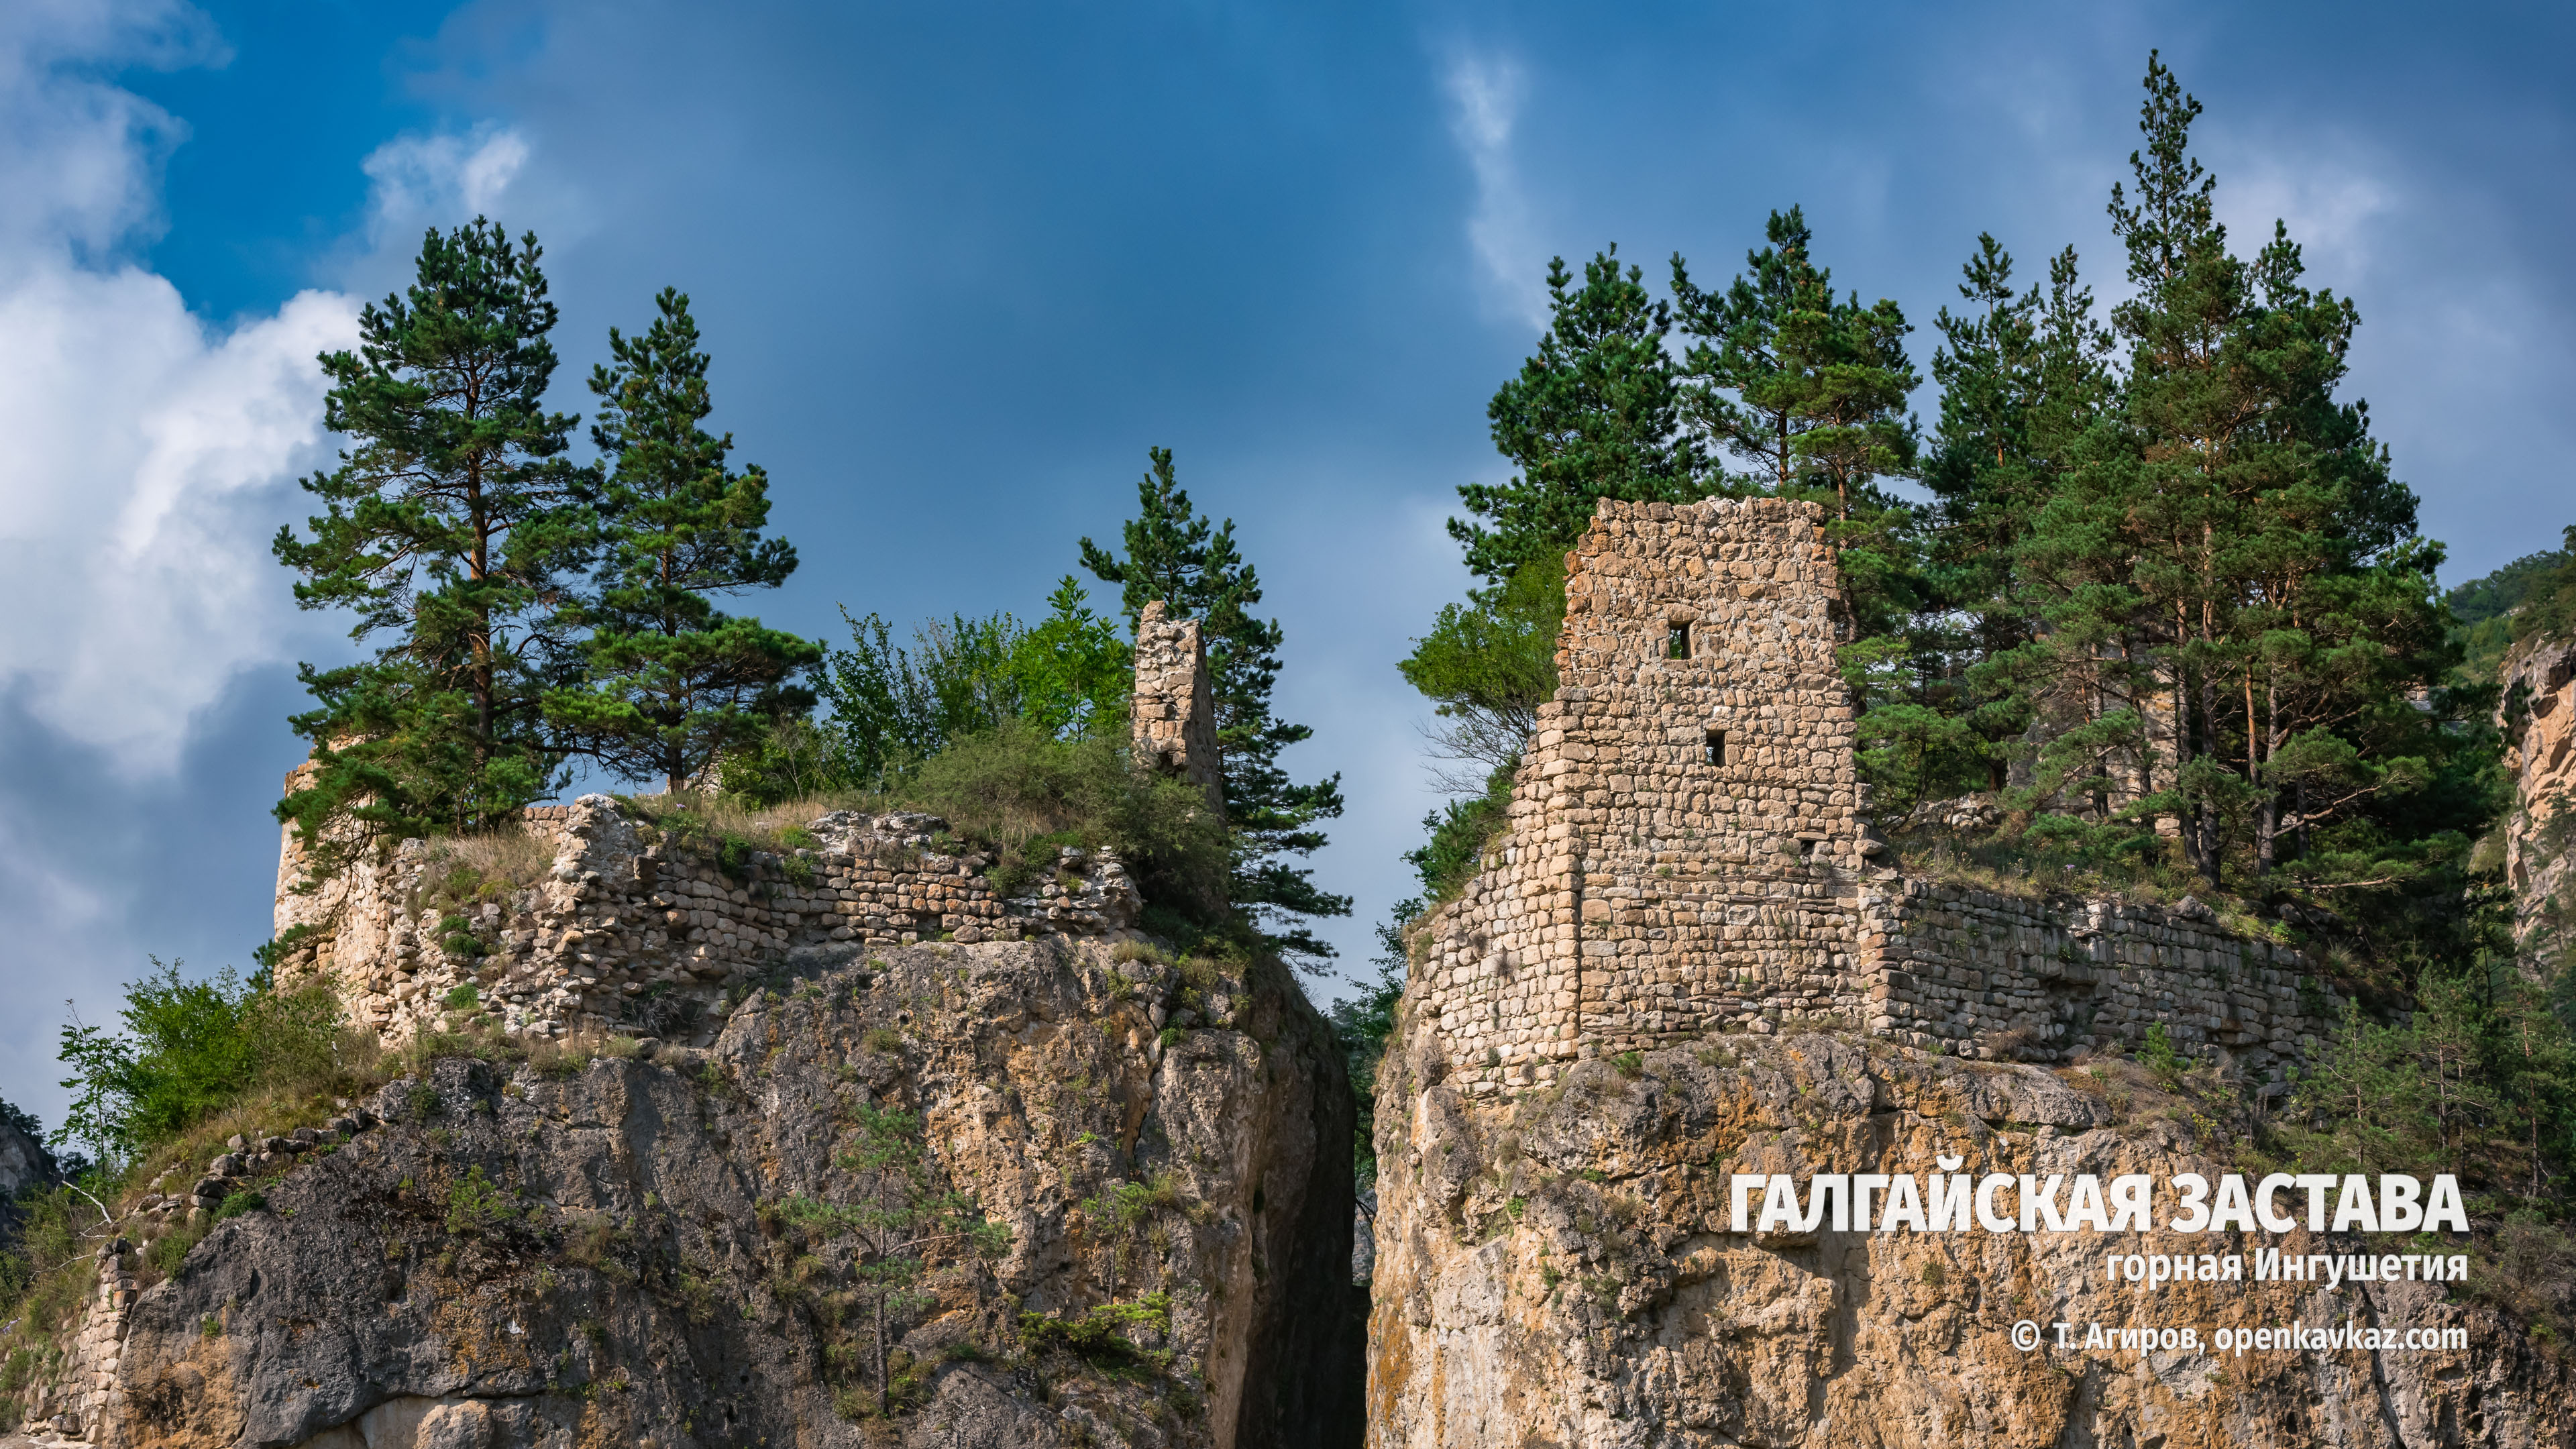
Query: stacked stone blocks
point(1172, 716)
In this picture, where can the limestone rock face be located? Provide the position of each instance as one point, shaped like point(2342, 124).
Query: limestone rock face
point(2539, 679)
point(613, 1255)
point(1557, 1268)
point(24, 1165)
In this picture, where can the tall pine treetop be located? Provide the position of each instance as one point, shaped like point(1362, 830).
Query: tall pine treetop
point(1174, 555)
point(687, 522)
point(671, 685)
point(1593, 414)
point(456, 522)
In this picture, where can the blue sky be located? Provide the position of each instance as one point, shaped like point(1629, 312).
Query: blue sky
point(960, 266)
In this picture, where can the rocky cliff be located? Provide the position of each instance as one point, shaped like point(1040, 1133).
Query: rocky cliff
point(25, 1166)
point(625, 1251)
point(1558, 1268)
point(2539, 717)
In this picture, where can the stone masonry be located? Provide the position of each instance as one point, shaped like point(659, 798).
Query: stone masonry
point(1173, 713)
point(1687, 850)
point(1988, 975)
point(629, 926)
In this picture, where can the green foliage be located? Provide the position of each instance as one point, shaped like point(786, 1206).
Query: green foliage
point(687, 822)
point(454, 524)
point(171, 1249)
point(1490, 662)
point(1177, 557)
point(477, 1205)
point(1027, 793)
point(898, 1213)
point(1808, 389)
point(237, 1203)
point(1068, 676)
point(47, 1271)
point(1117, 1218)
point(2225, 544)
point(1099, 1334)
point(188, 1048)
point(1458, 833)
point(2157, 1053)
point(671, 685)
point(1811, 391)
point(2022, 376)
point(2533, 595)
point(1595, 413)
point(2480, 1081)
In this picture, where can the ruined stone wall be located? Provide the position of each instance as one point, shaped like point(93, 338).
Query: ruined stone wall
point(71, 1396)
point(1986, 975)
point(1688, 850)
point(1172, 715)
point(630, 930)
point(595, 919)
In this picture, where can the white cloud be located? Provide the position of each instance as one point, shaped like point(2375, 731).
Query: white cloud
point(2335, 207)
point(80, 159)
point(441, 180)
point(150, 457)
point(1485, 96)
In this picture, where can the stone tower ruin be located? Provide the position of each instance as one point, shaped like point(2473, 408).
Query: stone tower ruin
point(1687, 850)
point(1173, 713)
point(1681, 815)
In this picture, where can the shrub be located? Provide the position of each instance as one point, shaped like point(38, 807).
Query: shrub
point(1098, 1335)
point(476, 1205)
point(171, 1249)
point(1459, 833)
point(1026, 794)
point(190, 1048)
point(2157, 1053)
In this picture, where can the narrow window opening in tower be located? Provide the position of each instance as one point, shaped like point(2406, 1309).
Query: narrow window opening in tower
point(1677, 642)
point(1716, 747)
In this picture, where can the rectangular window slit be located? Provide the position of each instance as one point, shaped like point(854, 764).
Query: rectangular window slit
point(1677, 642)
point(1717, 747)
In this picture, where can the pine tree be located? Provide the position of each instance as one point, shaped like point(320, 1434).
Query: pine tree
point(1174, 555)
point(671, 684)
point(2237, 525)
point(2023, 375)
point(1808, 389)
point(456, 524)
point(1594, 414)
point(1811, 391)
